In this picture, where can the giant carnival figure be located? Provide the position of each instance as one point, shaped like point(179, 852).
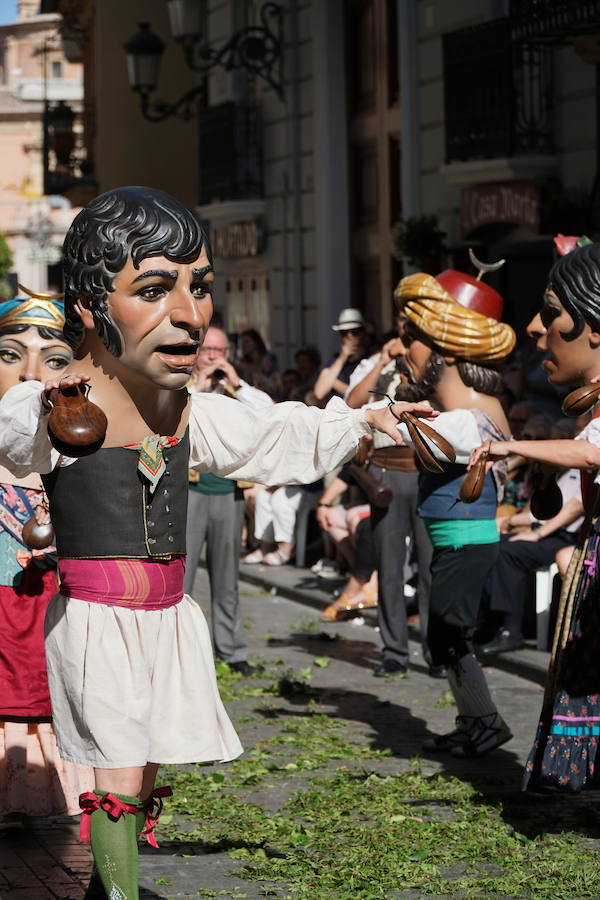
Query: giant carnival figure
point(130, 666)
point(454, 340)
point(568, 330)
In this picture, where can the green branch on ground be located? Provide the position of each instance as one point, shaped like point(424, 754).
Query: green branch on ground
point(356, 829)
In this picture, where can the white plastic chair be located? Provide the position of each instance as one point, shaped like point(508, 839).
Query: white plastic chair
point(544, 584)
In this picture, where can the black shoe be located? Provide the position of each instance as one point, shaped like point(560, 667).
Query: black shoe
point(502, 642)
point(438, 672)
point(389, 667)
point(244, 668)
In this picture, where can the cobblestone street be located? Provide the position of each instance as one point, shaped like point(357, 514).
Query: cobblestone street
point(44, 861)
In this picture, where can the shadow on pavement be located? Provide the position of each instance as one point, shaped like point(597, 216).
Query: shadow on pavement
point(395, 727)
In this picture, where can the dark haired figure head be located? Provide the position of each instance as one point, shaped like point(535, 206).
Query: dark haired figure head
point(138, 275)
point(568, 325)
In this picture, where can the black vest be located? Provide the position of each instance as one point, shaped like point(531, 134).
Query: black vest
point(101, 506)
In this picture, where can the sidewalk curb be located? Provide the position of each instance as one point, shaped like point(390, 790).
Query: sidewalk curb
point(530, 664)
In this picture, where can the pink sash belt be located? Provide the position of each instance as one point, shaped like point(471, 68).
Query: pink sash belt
point(133, 583)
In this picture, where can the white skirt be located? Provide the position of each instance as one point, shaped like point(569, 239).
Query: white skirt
point(132, 686)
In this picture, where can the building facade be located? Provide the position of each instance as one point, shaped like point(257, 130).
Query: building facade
point(506, 150)
point(34, 73)
point(481, 113)
point(296, 176)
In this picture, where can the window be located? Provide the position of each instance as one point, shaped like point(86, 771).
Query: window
point(57, 69)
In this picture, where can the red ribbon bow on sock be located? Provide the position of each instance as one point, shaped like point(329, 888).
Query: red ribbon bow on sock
point(153, 808)
point(90, 802)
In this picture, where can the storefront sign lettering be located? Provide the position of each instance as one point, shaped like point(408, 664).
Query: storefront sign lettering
point(515, 203)
point(237, 240)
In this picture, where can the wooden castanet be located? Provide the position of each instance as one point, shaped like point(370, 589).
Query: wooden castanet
point(418, 432)
point(546, 499)
point(76, 426)
point(38, 536)
point(472, 483)
point(581, 400)
point(362, 453)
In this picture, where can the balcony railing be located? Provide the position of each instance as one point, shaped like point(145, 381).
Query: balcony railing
point(498, 94)
point(553, 20)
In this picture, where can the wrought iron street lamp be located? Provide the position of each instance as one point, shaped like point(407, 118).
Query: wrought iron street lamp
point(257, 49)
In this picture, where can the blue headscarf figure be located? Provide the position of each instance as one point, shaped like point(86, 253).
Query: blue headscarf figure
point(42, 310)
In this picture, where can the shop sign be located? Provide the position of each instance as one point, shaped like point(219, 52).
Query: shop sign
point(50, 254)
point(512, 202)
point(237, 240)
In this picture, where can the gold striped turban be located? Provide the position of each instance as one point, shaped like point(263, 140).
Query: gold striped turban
point(455, 329)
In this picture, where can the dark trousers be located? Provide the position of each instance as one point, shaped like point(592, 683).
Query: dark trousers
point(366, 561)
point(506, 586)
point(458, 577)
point(391, 526)
point(216, 520)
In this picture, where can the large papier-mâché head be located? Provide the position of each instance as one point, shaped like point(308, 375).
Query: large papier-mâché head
point(575, 279)
point(125, 223)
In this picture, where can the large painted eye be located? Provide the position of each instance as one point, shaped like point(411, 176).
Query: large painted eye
point(151, 292)
point(9, 356)
point(548, 314)
point(57, 362)
point(202, 289)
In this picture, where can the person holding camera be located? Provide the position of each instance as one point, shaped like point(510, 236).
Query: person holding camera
point(216, 511)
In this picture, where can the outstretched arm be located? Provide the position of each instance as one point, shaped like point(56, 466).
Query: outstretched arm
point(568, 454)
point(289, 443)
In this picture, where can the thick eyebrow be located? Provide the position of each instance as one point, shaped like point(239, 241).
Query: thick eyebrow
point(200, 273)
point(57, 346)
point(156, 273)
point(10, 337)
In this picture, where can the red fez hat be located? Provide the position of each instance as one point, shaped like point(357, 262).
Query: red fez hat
point(473, 294)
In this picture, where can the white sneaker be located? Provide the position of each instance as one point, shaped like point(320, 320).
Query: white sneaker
point(330, 570)
point(318, 566)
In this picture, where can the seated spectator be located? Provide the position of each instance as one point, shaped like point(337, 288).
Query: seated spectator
point(256, 364)
point(563, 558)
point(526, 545)
point(349, 527)
point(520, 473)
point(519, 414)
point(275, 523)
point(334, 377)
point(360, 591)
point(308, 363)
point(290, 385)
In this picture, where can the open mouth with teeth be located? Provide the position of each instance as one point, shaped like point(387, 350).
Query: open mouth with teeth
point(178, 356)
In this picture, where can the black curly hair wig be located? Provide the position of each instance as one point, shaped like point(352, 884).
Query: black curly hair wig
point(125, 223)
point(575, 279)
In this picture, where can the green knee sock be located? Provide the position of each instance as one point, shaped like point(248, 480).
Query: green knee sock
point(114, 847)
point(140, 824)
point(95, 889)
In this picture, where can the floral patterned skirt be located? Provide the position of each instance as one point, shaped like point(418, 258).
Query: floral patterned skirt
point(566, 744)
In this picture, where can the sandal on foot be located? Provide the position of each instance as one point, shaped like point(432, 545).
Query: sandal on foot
point(252, 559)
point(445, 743)
point(489, 733)
point(276, 558)
point(344, 605)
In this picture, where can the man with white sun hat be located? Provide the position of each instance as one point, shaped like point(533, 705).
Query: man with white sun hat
point(335, 374)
